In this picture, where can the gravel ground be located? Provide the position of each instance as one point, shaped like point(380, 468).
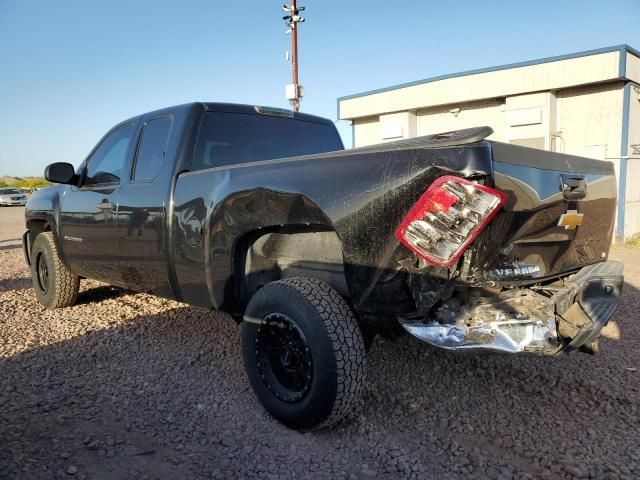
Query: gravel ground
point(128, 386)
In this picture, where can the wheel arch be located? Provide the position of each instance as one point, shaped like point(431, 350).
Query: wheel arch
point(235, 221)
point(42, 213)
point(265, 255)
point(35, 226)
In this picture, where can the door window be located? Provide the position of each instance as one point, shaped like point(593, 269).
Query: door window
point(152, 150)
point(107, 162)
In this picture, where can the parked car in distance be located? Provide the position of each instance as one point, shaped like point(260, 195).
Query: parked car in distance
point(12, 197)
point(466, 243)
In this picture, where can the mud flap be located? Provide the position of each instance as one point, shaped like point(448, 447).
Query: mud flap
point(26, 247)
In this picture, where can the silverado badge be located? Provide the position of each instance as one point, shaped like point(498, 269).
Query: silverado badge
point(570, 220)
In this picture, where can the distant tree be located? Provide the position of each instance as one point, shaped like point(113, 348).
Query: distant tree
point(3, 184)
point(31, 183)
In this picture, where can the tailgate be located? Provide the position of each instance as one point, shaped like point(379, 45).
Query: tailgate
point(559, 215)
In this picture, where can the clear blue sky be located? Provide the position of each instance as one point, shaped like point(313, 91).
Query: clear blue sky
point(70, 69)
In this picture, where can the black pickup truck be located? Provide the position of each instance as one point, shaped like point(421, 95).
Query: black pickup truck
point(467, 244)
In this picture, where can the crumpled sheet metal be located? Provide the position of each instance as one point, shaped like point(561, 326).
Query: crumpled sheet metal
point(519, 321)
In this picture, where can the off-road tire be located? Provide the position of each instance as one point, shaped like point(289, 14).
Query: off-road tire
point(335, 345)
point(61, 289)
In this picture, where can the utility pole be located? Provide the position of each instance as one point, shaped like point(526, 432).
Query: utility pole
point(294, 91)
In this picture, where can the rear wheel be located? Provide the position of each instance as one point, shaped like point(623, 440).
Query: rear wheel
point(303, 352)
point(54, 284)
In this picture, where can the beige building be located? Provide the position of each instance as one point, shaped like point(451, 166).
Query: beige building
point(586, 103)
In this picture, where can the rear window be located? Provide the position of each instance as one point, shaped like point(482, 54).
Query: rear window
point(234, 138)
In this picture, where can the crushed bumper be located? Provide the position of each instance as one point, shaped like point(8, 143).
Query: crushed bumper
point(524, 321)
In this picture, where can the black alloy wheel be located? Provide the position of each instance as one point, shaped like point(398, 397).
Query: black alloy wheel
point(283, 357)
point(42, 271)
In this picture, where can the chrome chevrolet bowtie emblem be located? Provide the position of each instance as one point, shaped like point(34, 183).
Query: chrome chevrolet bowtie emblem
point(570, 220)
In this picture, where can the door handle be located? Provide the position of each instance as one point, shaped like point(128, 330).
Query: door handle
point(105, 204)
point(573, 187)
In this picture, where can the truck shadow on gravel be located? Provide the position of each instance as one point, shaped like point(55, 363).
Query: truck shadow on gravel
point(165, 396)
point(101, 293)
point(11, 284)
point(10, 244)
point(87, 296)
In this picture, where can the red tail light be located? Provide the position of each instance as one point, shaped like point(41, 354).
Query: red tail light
point(447, 218)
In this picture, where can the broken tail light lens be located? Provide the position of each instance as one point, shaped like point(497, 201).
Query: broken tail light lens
point(447, 218)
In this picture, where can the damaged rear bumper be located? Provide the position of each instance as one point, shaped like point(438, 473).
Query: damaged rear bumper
point(524, 321)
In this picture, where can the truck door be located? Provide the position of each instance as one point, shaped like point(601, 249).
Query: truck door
point(88, 211)
point(142, 210)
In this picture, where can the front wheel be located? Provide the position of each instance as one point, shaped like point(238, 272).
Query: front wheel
point(303, 352)
point(53, 282)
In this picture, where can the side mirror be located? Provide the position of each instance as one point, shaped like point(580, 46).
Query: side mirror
point(61, 172)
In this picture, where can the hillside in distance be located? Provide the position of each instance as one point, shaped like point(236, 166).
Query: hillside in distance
point(23, 182)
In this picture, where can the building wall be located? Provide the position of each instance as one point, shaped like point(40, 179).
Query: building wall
point(632, 68)
point(366, 131)
point(486, 85)
point(632, 191)
point(463, 115)
point(582, 121)
point(589, 120)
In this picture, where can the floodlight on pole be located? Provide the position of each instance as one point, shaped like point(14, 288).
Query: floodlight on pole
point(294, 91)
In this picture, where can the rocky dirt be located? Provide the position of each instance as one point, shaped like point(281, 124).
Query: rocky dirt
point(128, 386)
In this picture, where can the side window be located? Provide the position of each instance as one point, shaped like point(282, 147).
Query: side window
point(107, 162)
point(152, 150)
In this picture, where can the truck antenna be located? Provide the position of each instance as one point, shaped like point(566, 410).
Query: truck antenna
point(294, 91)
